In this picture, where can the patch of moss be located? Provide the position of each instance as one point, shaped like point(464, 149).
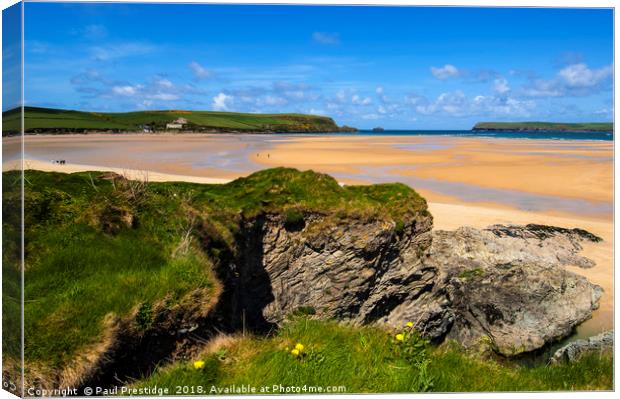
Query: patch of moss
point(294, 220)
point(471, 273)
point(144, 317)
point(399, 227)
point(304, 311)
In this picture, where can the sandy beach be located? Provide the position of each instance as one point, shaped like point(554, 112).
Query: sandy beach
point(467, 181)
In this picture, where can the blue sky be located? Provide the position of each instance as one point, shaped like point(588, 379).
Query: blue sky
point(11, 57)
point(396, 67)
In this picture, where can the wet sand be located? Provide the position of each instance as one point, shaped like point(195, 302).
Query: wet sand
point(576, 169)
point(467, 181)
point(536, 175)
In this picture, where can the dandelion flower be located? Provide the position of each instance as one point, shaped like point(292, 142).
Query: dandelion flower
point(410, 324)
point(295, 352)
point(198, 364)
point(299, 347)
point(400, 337)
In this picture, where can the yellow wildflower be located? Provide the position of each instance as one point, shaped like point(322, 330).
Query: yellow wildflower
point(410, 324)
point(400, 337)
point(295, 352)
point(198, 364)
point(299, 347)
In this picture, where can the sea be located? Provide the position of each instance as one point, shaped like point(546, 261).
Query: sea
point(506, 134)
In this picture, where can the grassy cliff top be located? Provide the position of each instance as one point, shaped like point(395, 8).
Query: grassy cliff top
point(97, 244)
point(48, 120)
point(576, 127)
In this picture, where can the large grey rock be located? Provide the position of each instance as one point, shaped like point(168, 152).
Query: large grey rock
point(504, 285)
point(507, 285)
point(573, 351)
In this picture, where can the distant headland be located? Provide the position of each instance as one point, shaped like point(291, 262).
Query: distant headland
point(544, 126)
point(57, 121)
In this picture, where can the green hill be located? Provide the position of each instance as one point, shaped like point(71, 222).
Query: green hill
point(573, 127)
point(48, 120)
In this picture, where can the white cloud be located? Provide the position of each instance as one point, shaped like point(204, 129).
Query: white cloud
point(294, 92)
point(157, 89)
point(124, 90)
point(572, 80)
point(457, 104)
point(326, 37)
point(389, 109)
point(165, 83)
point(273, 100)
point(357, 100)
point(145, 104)
point(380, 90)
point(335, 108)
point(221, 102)
point(447, 103)
point(341, 96)
point(607, 112)
point(501, 86)
point(414, 99)
point(199, 71)
point(579, 75)
point(314, 111)
point(277, 95)
point(544, 88)
point(445, 72)
point(498, 106)
point(163, 96)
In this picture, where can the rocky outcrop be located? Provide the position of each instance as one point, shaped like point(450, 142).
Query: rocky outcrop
point(346, 269)
point(573, 351)
point(504, 285)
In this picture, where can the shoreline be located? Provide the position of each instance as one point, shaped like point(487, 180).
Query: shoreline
point(131, 174)
point(469, 134)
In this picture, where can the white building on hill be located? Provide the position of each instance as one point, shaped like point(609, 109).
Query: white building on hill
point(177, 124)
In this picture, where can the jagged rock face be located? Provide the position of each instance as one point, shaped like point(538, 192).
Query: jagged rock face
point(603, 342)
point(505, 285)
point(350, 270)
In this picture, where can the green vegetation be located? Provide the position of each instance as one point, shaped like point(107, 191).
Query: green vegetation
point(471, 273)
point(97, 244)
point(369, 359)
point(78, 271)
point(575, 127)
point(48, 120)
point(99, 247)
point(11, 276)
